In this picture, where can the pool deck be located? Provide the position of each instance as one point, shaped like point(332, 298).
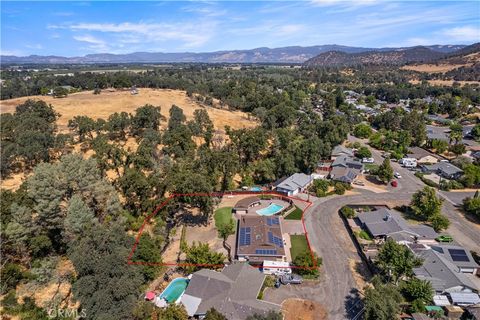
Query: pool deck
point(265, 203)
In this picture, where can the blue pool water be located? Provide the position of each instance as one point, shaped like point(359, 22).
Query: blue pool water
point(270, 210)
point(174, 289)
point(255, 189)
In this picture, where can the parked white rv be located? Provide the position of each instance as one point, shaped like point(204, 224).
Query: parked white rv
point(276, 267)
point(408, 162)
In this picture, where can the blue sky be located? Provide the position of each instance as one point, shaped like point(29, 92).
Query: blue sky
point(79, 28)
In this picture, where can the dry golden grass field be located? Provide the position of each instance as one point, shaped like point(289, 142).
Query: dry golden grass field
point(433, 68)
point(446, 83)
point(108, 102)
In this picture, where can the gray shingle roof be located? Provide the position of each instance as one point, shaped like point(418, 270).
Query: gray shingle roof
point(341, 150)
point(346, 175)
point(445, 251)
point(384, 222)
point(444, 167)
point(295, 181)
point(347, 162)
point(442, 274)
point(233, 292)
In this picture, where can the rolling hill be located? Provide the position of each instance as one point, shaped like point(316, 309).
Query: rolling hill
point(292, 54)
point(376, 57)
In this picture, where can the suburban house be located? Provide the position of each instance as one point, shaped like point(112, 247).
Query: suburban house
point(443, 133)
point(345, 169)
point(458, 256)
point(384, 223)
point(422, 156)
point(443, 169)
point(341, 151)
point(242, 206)
point(298, 182)
point(438, 133)
point(441, 271)
point(232, 292)
point(259, 238)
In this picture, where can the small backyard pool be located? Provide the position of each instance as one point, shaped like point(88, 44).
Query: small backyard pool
point(174, 290)
point(272, 209)
point(256, 189)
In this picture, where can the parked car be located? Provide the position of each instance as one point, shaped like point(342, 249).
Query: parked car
point(444, 238)
point(394, 183)
point(397, 175)
point(291, 279)
point(358, 182)
point(368, 160)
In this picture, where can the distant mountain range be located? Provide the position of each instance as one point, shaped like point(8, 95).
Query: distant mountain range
point(398, 56)
point(294, 54)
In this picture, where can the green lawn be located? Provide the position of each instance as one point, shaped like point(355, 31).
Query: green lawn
point(371, 166)
point(299, 245)
point(223, 215)
point(295, 214)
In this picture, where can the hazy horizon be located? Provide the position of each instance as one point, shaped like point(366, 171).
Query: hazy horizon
point(72, 29)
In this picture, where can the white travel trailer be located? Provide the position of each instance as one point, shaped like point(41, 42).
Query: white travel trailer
point(276, 267)
point(408, 162)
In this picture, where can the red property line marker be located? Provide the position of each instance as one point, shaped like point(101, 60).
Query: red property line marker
point(216, 194)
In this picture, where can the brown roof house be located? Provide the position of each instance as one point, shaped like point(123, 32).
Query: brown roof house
point(243, 205)
point(232, 292)
point(260, 238)
point(423, 156)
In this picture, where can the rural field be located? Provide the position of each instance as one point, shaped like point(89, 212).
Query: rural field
point(108, 102)
point(104, 104)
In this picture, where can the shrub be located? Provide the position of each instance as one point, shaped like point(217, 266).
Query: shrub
point(364, 235)
point(348, 212)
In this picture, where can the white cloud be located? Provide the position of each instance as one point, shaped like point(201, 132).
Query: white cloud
point(291, 29)
point(34, 46)
point(465, 33)
point(273, 28)
point(95, 44)
point(191, 34)
point(17, 53)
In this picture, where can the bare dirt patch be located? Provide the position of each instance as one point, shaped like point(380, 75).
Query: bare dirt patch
point(106, 103)
point(300, 309)
point(58, 290)
point(434, 68)
point(446, 83)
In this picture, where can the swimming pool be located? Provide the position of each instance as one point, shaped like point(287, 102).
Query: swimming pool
point(256, 189)
point(272, 209)
point(174, 290)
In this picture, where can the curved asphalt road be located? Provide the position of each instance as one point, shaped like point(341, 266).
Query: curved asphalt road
point(330, 239)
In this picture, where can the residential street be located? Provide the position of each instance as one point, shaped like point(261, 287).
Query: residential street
point(330, 239)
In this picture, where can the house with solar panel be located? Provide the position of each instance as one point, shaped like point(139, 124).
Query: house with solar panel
point(448, 268)
point(259, 239)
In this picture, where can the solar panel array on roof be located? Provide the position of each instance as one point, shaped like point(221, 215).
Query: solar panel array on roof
point(275, 240)
point(272, 221)
point(245, 239)
point(265, 251)
point(458, 255)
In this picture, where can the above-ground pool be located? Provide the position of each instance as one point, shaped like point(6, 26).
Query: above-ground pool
point(272, 209)
point(174, 290)
point(256, 189)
